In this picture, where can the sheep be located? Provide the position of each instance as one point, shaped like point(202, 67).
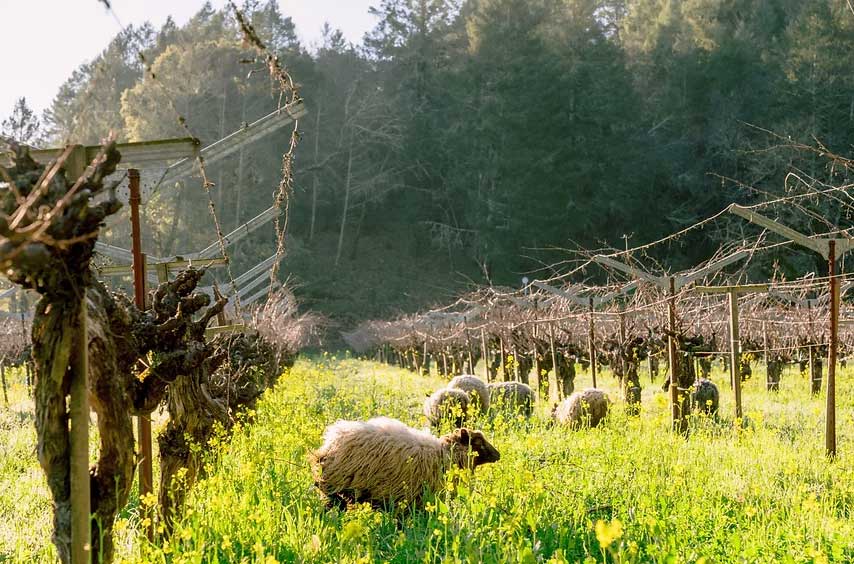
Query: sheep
point(473, 386)
point(382, 461)
point(586, 408)
point(514, 396)
point(706, 396)
point(447, 404)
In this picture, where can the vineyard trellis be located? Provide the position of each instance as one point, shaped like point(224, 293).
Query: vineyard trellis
point(548, 327)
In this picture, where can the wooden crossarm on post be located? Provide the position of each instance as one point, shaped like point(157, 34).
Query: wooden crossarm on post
point(572, 298)
point(682, 280)
point(134, 155)
point(634, 272)
point(232, 143)
point(237, 234)
point(171, 266)
point(787, 232)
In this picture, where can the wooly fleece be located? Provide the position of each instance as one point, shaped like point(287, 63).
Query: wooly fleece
point(706, 396)
point(441, 404)
point(382, 460)
point(475, 387)
point(587, 407)
point(514, 396)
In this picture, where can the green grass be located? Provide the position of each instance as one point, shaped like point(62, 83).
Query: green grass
point(629, 492)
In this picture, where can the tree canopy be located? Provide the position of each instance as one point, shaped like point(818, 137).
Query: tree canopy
point(471, 140)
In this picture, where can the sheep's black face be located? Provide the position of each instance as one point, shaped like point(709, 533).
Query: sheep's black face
point(481, 449)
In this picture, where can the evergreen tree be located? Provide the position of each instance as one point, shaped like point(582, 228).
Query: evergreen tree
point(22, 125)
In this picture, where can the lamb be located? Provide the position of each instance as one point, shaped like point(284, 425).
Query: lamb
point(706, 396)
point(475, 387)
point(514, 396)
point(447, 404)
point(382, 461)
point(586, 408)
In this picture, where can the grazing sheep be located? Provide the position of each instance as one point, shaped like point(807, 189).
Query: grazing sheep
point(706, 396)
point(447, 404)
point(381, 461)
point(582, 409)
point(473, 386)
point(514, 396)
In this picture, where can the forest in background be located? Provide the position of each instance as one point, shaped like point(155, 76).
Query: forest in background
point(476, 141)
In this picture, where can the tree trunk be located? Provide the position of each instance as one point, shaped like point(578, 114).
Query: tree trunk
point(314, 177)
point(346, 206)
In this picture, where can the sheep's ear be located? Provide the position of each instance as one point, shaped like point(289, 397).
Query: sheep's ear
point(463, 436)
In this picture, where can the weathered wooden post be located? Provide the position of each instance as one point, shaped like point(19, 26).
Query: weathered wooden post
point(78, 407)
point(677, 417)
point(469, 351)
point(591, 340)
point(503, 356)
point(735, 341)
point(485, 353)
point(554, 391)
point(830, 421)
point(146, 473)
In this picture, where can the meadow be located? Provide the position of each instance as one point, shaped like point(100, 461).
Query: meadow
point(758, 490)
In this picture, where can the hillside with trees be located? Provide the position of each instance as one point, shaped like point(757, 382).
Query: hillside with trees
point(478, 140)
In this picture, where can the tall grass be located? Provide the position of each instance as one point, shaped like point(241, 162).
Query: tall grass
point(758, 491)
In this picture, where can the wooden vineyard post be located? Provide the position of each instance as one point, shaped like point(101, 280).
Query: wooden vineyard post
point(675, 409)
point(536, 362)
point(621, 318)
point(765, 343)
point(503, 355)
point(81, 528)
point(146, 473)
point(735, 352)
point(735, 342)
point(557, 383)
point(591, 341)
point(485, 352)
point(830, 421)
point(469, 352)
point(766, 357)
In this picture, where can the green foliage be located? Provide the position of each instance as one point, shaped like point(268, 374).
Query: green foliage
point(492, 131)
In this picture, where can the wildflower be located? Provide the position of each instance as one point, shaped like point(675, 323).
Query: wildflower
point(607, 533)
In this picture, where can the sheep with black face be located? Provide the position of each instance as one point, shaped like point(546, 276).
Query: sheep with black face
point(382, 461)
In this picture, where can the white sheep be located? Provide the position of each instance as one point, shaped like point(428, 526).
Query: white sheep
point(581, 409)
point(514, 396)
point(382, 461)
point(475, 387)
point(447, 404)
